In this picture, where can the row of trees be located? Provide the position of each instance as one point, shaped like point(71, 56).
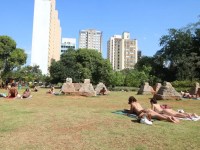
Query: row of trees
point(87, 63)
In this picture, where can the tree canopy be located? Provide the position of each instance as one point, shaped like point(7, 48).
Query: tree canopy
point(11, 57)
point(179, 57)
point(81, 64)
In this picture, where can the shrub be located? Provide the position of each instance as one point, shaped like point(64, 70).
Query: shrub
point(183, 85)
point(123, 88)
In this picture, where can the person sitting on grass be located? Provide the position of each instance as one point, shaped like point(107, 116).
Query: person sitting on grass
point(198, 93)
point(35, 89)
point(170, 112)
point(12, 92)
point(26, 94)
point(102, 91)
point(136, 108)
point(51, 91)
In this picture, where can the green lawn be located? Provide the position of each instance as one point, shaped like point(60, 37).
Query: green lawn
point(87, 123)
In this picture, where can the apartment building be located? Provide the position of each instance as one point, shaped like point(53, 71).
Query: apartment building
point(122, 51)
point(90, 39)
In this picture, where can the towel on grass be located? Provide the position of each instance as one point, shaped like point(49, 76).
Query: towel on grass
point(125, 112)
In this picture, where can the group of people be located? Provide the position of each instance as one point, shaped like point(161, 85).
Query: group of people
point(156, 112)
point(13, 92)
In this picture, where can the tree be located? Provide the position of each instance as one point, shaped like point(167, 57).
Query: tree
point(135, 78)
point(10, 56)
point(118, 78)
point(176, 49)
point(27, 74)
point(144, 61)
point(80, 64)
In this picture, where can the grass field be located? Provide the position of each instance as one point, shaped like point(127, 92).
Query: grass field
point(87, 123)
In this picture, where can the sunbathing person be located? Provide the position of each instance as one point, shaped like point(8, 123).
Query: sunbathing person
point(51, 91)
point(12, 92)
point(26, 94)
point(140, 112)
point(102, 91)
point(35, 89)
point(157, 108)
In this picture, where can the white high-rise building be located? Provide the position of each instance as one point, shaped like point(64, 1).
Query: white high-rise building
point(90, 39)
point(46, 38)
point(68, 43)
point(122, 51)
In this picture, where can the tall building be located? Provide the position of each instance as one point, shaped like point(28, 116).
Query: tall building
point(90, 39)
point(46, 38)
point(68, 43)
point(122, 51)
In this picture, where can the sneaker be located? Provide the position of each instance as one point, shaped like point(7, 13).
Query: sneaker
point(180, 110)
point(144, 120)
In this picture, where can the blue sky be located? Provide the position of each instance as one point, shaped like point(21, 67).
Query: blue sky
point(146, 20)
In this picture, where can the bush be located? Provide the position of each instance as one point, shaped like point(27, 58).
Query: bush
point(123, 88)
point(183, 85)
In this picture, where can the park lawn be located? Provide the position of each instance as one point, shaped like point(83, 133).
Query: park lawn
point(73, 122)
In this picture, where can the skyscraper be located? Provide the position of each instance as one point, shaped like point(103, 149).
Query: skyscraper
point(46, 38)
point(122, 51)
point(90, 39)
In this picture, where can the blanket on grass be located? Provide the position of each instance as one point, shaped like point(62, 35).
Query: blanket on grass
point(125, 112)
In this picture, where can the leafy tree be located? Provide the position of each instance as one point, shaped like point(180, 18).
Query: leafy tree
point(135, 78)
point(118, 78)
point(27, 74)
point(10, 56)
point(144, 61)
point(176, 49)
point(80, 64)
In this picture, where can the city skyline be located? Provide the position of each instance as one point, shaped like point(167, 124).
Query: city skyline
point(146, 20)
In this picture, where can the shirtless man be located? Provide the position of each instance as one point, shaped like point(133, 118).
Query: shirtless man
point(12, 92)
point(137, 108)
point(156, 107)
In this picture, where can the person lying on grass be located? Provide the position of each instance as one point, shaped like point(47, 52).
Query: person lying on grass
point(167, 111)
point(136, 108)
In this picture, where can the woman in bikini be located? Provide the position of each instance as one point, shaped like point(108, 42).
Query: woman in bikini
point(170, 112)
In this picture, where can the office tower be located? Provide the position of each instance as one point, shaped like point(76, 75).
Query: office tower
point(122, 51)
point(68, 43)
point(46, 38)
point(90, 39)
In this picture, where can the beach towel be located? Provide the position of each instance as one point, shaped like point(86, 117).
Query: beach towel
point(142, 120)
point(125, 112)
